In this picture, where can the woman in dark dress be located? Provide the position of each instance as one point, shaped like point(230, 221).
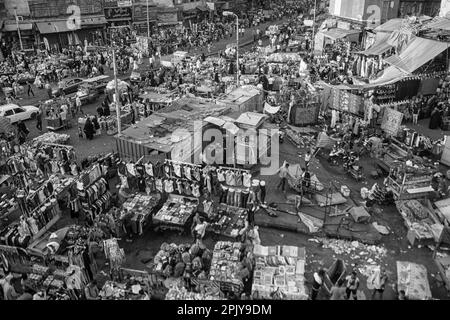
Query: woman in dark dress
point(436, 118)
point(89, 129)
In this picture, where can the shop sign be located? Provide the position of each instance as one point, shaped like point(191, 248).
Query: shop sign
point(110, 3)
point(118, 13)
point(168, 17)
point(344, 25)
point(392, 120)
point(124, 3)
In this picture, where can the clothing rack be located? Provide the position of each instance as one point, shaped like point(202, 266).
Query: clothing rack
point(42, 203)
point(235, 169)
point(182, 163)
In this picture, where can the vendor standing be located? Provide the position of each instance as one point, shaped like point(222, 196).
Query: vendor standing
point(89, 129)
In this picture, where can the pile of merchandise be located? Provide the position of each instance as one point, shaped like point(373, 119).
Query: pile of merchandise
point(52, 137)
point(227, 220)
point(192, 260)
point(226, 265)
point(140, 207)
point(279, 270)
point(413, 279)
point(207, 292)
point(176, 211)
point(417, 218)
point(7, 204)
point(121, 291)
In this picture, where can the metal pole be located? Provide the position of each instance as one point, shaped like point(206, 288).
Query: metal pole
point(117, 102)
point(314, 26)
point(237, 50)
point(148, 23)
point(18, 29)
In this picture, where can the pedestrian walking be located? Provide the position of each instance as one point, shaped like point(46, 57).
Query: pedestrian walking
point(283, 173)
point(379, 282)
point(352, 285)
point(30, 89)
point(39, 120)
point(317, 283)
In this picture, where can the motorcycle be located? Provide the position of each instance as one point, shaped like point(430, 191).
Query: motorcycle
point(351, 166)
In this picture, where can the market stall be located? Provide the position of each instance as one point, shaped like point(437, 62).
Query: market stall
point(176, 213)
point(140, 209)
point(279, 271)
point(413, 279)
point(227, 220)
point(243, 99)
point(409, 182)
point(226, 265)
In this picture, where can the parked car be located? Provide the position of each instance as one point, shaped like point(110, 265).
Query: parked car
point(67, 86)
point(15, 112)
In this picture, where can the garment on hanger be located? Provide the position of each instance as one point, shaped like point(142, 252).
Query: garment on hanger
point(187, 172)
point(149, 169)
point(177, 169)
point(247, 179)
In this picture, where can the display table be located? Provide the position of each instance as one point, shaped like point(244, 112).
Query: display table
point(413, 279)
point(443, 265)
point(227, 221)
point(142, 206)
point(408, 183)
point(175, 213)
point(279, 269)
point(225, 266)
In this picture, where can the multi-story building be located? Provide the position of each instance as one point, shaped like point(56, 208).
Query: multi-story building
point(419, 7)
point(54, 24)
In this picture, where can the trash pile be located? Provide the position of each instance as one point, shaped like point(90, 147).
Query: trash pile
point(369, 254)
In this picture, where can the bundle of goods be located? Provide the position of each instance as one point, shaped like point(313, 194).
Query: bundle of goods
point(191, 260)
point(279, 270)
point(418, 212)
point(132, 288)
point(60, 183)
point(226, 265)
point(50, 281)
point(418, 219)
point(300, 138)
point(207, 292)
point(52, 137)
point(114, 253)
point(142, 203)
point(228, 220)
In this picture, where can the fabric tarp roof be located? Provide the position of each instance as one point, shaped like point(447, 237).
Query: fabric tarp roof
point(390, 26)
point(439, 23)
point(8, 27)
point(390, 75)
point(380, 46)
point(52, 27)
point(418, 52)
point(337, 33)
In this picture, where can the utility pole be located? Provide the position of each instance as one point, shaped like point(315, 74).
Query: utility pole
point(117, 100)
point(314, 26)
point(148, 23)
point(18, 28)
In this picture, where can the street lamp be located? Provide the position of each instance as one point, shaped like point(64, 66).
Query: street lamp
point(227, 14)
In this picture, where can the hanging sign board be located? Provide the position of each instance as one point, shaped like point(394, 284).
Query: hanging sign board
point(391, 121)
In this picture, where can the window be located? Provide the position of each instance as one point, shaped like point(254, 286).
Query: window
point(18, 110)
point(8, 113)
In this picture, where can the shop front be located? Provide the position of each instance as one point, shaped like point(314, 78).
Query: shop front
point(93, 30)
point(11, 34)
point(118, 16)
point(55, 35)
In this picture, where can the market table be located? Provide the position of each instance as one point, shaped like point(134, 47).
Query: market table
point(142, 207)
point(175, 213)
point(227, 221)
point(413, 279)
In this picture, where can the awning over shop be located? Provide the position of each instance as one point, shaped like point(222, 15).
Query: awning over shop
point(438, 23)
point(53, 27)
point(337, 33)
point(203, 7)
point(9, 27)
point(380, 46)
point(418, 52)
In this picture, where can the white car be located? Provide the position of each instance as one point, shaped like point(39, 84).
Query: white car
point(15, 112)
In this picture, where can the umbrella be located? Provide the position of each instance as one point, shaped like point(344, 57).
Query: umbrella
point(121, 85)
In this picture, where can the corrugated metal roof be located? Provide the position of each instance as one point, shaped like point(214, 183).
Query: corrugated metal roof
point(8, 27)
point(418, 52)
point(53, 27)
